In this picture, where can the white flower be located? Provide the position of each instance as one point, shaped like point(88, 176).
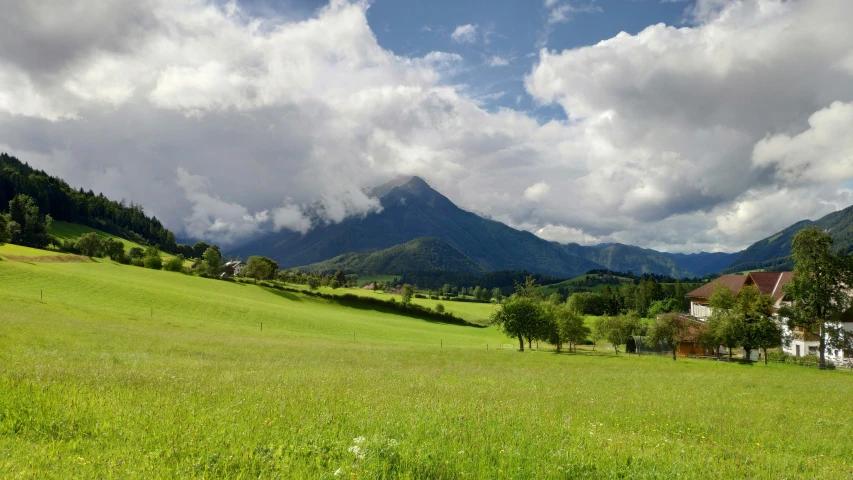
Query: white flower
point(358, 440)
point(338, 472)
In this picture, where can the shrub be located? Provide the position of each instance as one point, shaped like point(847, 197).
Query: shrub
point(137, 252)
point(153, 262)
point(420, 295)
point(433, 297)
point(439, 308)
point(137, 262)
point(174, 264)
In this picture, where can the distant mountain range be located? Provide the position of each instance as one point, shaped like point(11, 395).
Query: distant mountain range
point(412, 210)
point(774, 252)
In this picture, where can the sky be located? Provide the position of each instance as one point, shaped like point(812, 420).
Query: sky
point(683, 126)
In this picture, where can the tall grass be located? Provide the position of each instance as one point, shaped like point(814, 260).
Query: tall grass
point(93, 384)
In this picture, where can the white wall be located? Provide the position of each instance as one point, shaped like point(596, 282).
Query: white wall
point(700, 310)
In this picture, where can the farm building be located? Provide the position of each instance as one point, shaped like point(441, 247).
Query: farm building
point(770, 283)
point(233, 268)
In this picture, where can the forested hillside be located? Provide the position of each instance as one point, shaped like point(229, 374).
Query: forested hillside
point(774, 252)
point(55, 197)
point(419, 255)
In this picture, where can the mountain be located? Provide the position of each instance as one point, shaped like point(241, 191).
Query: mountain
point(703, 263)
point(775, 251)
point(627, 258)
point(418, 255)
point(411, 210)
point(414, 210)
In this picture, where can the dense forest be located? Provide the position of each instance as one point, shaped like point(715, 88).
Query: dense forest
point(55, 197)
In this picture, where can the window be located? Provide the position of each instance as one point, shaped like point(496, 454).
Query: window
point(812, 350)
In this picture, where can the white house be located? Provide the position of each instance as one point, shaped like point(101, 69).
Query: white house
point(770, 283)
point(233, 268)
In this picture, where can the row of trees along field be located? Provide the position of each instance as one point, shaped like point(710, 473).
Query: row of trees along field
point(646, 295)
point(54, 197)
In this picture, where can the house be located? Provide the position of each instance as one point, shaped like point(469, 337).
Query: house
point(233, 268)
point(770, 283)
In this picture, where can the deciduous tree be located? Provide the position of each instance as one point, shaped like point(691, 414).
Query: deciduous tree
point(90, 245)
point(519, 316)
point(669, 329)
point(818, 290)
point(212, 261)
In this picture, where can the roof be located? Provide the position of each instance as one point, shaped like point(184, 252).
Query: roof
point(735, 282)
point(769, 283)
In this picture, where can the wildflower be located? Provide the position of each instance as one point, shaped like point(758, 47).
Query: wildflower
point(358, 440)
point(338, 472)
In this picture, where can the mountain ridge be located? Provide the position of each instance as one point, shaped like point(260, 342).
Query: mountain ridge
point(411, 209)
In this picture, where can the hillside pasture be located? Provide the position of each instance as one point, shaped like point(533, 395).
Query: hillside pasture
point(124, 372)
point(581, 281)
point(26, 254)
point(73, 231)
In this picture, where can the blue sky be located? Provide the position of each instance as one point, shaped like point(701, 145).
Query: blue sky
point(511, 30)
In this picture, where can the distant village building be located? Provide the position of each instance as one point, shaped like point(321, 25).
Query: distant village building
point(769, 283)
point(233, 268)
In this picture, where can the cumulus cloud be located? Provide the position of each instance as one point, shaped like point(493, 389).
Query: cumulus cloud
point(465, 33)
point(537, 191)
point(226, 126)
point(498, 61)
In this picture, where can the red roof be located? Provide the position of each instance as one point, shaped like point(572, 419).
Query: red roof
point(769, 283)
point(735, 282)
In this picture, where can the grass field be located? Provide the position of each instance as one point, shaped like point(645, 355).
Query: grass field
point(124, 372)
point(473, 312)
point(73, 231)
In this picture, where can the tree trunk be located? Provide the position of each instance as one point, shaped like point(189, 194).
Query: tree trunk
point(730, 354)
point(530, 343)
point(674, 350)
point(747, 353)
point(520, 343)
point(559, 345)
point(765, 355)
point(616, 349)
point(822, 347)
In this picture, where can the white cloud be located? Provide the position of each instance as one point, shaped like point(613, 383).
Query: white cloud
point(537, 191)
point(821, 154)
point(563, 234)
point(465, 33)
point(703, 137)
point(498, 61)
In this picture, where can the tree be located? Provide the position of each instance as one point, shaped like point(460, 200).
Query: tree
point(406, 294)
point(573, 329)
point(724, 324)
point(497, 295)
point(754, 308)
point(519, 316)
point(90, 245)
point(617, 329)
point(26, 224)
point(212, 261)
point(669, 329)
point(260, 268)
point(136, 252)
point(174, 264)
point(4, 229)
point(767, 334)
point(153, 261)
point(334, 284)
point(199, 249)
point(313, 282)
point(341, 277)
point(818, 290)
point(113, 249)
point(439, 308)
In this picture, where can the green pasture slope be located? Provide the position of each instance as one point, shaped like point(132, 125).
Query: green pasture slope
point(96, 384)
point(73, 231)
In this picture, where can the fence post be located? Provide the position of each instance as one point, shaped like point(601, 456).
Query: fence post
point(41, 295)
point(262, 326)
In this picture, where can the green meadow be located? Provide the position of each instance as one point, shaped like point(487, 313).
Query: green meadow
point(124, 372)
point(73, 231)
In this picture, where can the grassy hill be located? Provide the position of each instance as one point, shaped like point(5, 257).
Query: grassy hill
point(123, 372)
point(73, 231)
point(418, 255)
